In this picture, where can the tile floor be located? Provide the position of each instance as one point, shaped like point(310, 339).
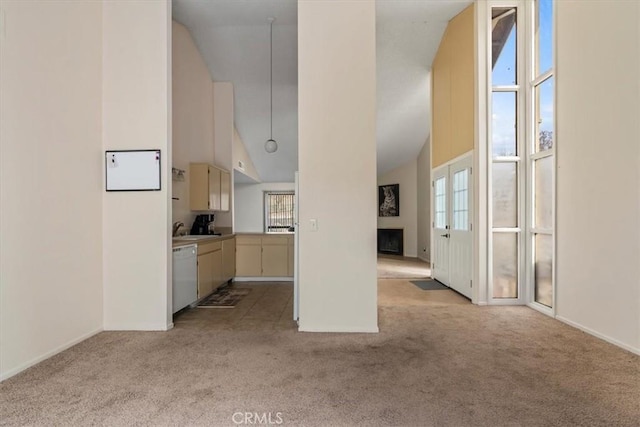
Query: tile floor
point(269, 306)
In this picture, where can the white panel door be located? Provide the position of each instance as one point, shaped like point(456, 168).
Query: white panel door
point(452, 236)
point(460, 236)
point(440, 262)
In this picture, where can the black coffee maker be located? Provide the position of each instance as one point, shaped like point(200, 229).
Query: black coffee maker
point(202, 224)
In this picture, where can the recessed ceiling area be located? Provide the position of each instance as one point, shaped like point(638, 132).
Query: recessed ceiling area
point(233, 37)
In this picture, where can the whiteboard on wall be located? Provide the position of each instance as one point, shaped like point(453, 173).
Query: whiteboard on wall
point(132, 170)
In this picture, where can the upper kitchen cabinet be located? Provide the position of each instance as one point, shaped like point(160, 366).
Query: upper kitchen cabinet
point(209, 188)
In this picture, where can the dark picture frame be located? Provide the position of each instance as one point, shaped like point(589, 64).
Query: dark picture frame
point(389, 200)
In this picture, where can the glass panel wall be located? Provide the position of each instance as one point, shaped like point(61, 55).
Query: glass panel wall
point(506, 167)
point(541, 150)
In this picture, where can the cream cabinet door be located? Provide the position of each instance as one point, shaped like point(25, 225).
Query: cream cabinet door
point(214, 188)
point(199, 194)
point(206, 265)
point(248, 260)
point(229, 258)
point(290, 256)
point(225, 190)
point(274, 260)
point(217, 271)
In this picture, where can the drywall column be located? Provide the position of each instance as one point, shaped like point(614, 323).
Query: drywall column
point(50, 178)
point(424, 201)
point(136, 115)
point(223, 133)
point(598, 169)
point(337, 162)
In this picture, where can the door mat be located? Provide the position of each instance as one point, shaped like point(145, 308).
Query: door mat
point(429, 285)
point(224, 298)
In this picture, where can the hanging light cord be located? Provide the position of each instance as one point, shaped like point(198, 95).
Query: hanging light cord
point(271, 74)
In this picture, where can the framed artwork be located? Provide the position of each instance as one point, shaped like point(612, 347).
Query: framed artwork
point(389, 200)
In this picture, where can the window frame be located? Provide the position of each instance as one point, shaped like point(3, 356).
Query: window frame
point(266, 210)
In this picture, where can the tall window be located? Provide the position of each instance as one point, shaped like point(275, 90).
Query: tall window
point(279, 211)
point(505, 140)
point(541, 155)
point(522, 147)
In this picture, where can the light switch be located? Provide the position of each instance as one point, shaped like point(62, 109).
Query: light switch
point(314, 224)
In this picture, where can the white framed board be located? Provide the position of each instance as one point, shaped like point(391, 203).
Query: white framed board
point(132, 170)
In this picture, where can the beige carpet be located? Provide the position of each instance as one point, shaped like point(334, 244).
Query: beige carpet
point(395, 267)
point(438, 361)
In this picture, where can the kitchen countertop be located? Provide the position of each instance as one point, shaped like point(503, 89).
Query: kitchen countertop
point(177, 241)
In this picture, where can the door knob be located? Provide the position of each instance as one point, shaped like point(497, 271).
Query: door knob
point(445, 235)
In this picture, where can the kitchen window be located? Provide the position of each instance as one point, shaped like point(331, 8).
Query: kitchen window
point(279, 211)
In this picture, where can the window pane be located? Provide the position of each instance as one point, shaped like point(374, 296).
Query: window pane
point(544, 115)
point(503, 46)
point(505, 195)
point(503, 124)
point(461, 200)
point(543, 36)
point(542, 268)
point(543, 192)
point(505, 265)
point(440, 203)
point(279, 209)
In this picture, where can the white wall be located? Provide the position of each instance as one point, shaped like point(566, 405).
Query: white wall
point(50, 179)
point(424, 202)
point(406, 176)
point(249, 209)
point(337, 163)
point(240, 154)
point(598, 155)
point(192, 113)
point(223, 133)
point(136, 115)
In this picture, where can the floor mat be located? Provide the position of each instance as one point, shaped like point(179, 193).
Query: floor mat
point(226, 297)
point(429, 285)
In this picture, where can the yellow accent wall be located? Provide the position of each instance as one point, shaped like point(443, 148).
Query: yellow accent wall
point(453, 86)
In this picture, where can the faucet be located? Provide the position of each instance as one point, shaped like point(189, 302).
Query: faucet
point(176, 227)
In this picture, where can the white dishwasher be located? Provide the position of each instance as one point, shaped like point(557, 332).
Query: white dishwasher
point(185, 276)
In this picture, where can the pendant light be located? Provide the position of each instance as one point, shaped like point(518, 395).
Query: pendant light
point(271, 146)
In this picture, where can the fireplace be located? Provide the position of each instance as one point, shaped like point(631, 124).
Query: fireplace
point(390, 241)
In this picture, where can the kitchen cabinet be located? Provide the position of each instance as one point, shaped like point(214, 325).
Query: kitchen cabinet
point(274, 256)
point(228, 259)
point(248, 256)
point(209, 188)
point(290, 255)
point(264, 255)
point(210, 273)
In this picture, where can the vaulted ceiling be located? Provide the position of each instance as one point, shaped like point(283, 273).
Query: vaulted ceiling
point(233, 37)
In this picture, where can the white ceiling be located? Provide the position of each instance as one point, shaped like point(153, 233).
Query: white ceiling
point(233, 37)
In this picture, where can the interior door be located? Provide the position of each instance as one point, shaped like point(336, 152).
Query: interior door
point(460, 235)
point(440, 262)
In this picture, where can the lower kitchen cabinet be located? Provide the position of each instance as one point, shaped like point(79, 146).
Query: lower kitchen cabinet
point(290, 256)
point(264, 255)
point(210, 274)
point(228, 259)
point(248, 256)
point(274, 256)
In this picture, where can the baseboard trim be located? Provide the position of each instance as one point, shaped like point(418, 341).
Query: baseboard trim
point(342, 330)
point(425, 259)
point(599, 335)
point(263, 279)
point(36, 360)
point(138, 327)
